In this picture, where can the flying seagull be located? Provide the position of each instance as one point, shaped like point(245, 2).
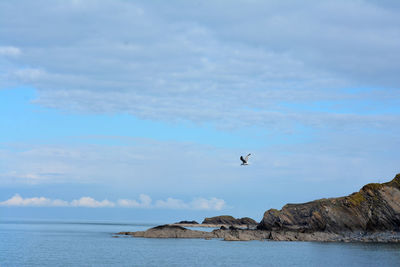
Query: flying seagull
point(244, 160)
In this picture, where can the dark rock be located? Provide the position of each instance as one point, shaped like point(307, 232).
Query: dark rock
point(376, 207)
point(171, 231)
point(229, 220)
point(187, 222)
point(282, 235)
point(168, 227)
point(370, 215)
point(247, 221)
point(241, 234)
point(124, 233)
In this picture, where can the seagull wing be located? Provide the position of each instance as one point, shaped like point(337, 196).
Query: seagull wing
point(247, 157)
point(242, 159)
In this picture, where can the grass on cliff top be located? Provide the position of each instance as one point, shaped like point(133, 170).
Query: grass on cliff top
point(356, 198)
point(395, 182)
point(376, 186)
point(274, 211)
point(372, 186)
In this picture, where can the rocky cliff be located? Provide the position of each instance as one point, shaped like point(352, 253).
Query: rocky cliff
point(376, 207)
point(369, 215)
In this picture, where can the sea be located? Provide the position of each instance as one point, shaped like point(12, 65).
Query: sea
point(40, 243)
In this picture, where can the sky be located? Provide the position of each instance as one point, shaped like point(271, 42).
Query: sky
point(139, 110)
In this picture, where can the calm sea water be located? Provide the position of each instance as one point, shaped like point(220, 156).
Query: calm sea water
point(92, 244)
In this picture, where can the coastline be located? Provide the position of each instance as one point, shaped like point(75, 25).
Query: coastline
point(170, 231)
point(240, 226)
point(370, 215)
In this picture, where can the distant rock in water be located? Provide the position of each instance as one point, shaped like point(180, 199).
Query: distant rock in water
point(376, 207)
point(229, 220)
point(187, 222)
point(169, 231)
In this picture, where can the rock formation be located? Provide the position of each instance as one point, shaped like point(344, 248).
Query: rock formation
point(187, 222)
point(169, 231)
point(369, 215)
point(376, 207)
point(173, 231)
point(229, 220)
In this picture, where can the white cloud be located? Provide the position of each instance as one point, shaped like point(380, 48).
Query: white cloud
point(171, 203)
point(9, 51)
point(196, 204)
point(160, 62)
point(17, 200)
point(28, 74)
point(208, 204)
point(128, 203)
point(144, 202)
point(91, 203)
point(132, 165)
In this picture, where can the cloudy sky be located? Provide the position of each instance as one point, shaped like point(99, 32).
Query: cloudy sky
point(140, 110)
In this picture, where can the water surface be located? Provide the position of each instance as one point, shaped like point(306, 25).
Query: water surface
point(92, 244)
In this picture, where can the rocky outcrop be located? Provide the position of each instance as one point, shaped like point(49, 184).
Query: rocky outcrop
point(169, 231)
point(173, 231)
point(187, 222)
point(229, 220)
point(369, 215)
point(240, 234)
point(376, 207)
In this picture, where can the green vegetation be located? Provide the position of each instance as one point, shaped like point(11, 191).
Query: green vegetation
point(274, 212)
point(395, 182)
point(372, 186)
point(356, 198)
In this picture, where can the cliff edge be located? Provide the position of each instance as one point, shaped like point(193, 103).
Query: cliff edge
point(376, 207)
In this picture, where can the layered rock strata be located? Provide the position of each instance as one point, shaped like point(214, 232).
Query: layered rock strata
point(376, 207)
point(369, 215)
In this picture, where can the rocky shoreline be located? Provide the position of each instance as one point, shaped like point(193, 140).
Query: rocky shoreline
point(240, 226)
point(370, 215)
point(171, 231)
point(221, 221)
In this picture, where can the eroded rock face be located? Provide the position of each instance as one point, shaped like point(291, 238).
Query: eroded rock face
point(229, 220)
point(376, 207)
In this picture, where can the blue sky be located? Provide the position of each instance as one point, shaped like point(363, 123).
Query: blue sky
point(138, 110)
